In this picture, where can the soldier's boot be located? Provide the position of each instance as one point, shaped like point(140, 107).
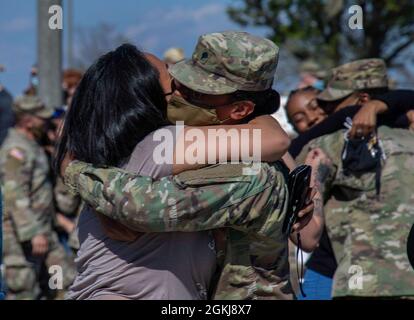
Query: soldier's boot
point(19, 273)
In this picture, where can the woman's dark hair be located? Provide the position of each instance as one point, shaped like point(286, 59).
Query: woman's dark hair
point(117, 103)
point(266, 102)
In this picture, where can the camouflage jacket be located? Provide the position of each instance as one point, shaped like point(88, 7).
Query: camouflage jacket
point(70, 205)
point(254, 206)
point(369, 235)
point(27, 188)
point(65, 202)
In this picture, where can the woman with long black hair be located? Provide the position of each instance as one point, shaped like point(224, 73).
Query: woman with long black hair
point(118, 107)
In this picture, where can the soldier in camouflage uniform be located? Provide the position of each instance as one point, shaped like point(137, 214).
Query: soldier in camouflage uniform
point(368, 234)
point(345, 84)
point(29, 241)
point(253, 205)
point(348, 82)
point(225, 64)
point(69, 207)
point(222, 63)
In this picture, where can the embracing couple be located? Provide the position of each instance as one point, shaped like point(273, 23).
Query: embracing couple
point(178, 229)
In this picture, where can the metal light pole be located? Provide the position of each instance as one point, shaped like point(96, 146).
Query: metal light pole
point(49, 55)
point(69, 26)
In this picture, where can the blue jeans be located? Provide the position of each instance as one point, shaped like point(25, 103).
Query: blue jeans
point(316, 286)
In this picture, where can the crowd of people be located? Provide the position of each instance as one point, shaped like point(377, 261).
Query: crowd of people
point(39, 213)
point(86, 188)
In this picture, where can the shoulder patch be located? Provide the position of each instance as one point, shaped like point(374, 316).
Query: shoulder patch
point(17, 154)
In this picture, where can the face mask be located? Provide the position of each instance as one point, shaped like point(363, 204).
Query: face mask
point(180, 109)
point(319, 84)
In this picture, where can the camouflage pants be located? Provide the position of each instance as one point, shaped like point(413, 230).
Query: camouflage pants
point(23, 272)
point(240, 280)
point(19, 274)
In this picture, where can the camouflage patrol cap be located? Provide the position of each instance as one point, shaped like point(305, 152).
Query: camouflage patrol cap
point(355, 75)
point(313, 68)
point(228, 61)
point(32, 105)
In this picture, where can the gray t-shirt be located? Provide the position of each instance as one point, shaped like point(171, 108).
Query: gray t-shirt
point(175, 265)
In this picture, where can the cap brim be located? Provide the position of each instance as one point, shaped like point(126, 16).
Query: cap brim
point(332, 94)
point(45, 114)
point(199, 80)
point(58, 113)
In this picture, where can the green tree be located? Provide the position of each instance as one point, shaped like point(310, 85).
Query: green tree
point(319, 29)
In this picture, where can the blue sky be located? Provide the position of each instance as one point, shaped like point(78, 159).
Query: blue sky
point(153, 25)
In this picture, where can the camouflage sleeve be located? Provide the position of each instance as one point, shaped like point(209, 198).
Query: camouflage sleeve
point(17, 173)
point(210, 198)
point(301, 157)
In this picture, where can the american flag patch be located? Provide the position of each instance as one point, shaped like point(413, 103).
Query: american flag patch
point(16, 153)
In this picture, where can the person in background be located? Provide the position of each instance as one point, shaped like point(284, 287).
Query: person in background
point(173, 55)
point(32, 89)
point(311, 75)
point(368, 107)
point(354, 83)
point(30, 245)
point(303, 110)
point(6, 113)
point(6, 121)
point(368, 214)
point(67, 205)
point(71, 79)
point(391, 108)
